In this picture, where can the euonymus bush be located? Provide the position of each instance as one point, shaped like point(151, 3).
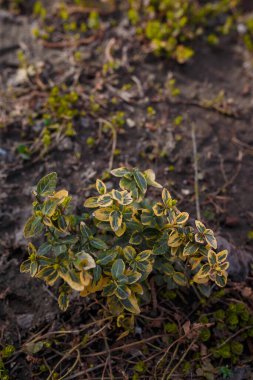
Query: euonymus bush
point(171, 25)
point(122, 240)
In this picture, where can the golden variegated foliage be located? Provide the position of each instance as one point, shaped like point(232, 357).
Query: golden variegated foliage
point(124, 237)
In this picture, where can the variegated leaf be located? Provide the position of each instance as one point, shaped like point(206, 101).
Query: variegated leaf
point(104, 200)
point(129, 253)
point(182, 218)
point(118, 268)
point(158, 209)
point(165, 196)
point(210, 239)
point(174, 239)
point(91, 202)
point(180, 278)
point(222, 256)
point(100, 186)
point(212, 258)
point(115, 219)
point(103, 214)
point(131, 304)
point(220, 279)
point(120, 172)
point(200, 226)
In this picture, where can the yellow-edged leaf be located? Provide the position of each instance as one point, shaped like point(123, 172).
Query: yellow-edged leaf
point(100, 186)
point(102, 214)
point(91, 202)
point(115, 219)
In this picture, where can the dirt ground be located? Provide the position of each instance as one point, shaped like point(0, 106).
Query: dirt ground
point(223, 134)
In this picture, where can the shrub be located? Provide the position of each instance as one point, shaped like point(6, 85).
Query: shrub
point(171, 25)
point(121, 241)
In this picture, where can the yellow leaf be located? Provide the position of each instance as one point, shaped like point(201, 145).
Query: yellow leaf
point(85, 278)
point(62, 194)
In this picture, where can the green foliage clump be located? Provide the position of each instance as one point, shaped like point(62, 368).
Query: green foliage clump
point(5, 353)
point(171, 25)
point(121, 240)
point(67, 24)
point(228, 332)
point(58, 113)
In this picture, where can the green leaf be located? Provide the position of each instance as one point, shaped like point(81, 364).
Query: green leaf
point(161, 246)
point(33, 226)
point(122, 292)
point(168, 269)
point(105, 258)
point(136, 238)
point(109, 290)
point(118, 268)
point(85, 231)
point(120, 172)
point(49, 207)
point(48, 274)
point(98, 243)
point(190, 249)
point(97, 273)
point(133, 277)
point(129, 253)
point(46, 186)
point(205, 289)
point(131, 304)
point(115, 219)
point(44, 249)
point(140, 181)
point(180, 279)
point(144, 255)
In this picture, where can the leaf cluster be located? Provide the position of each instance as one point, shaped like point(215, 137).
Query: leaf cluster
point(122, 240)
point(59, 111)
point(171, 25)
